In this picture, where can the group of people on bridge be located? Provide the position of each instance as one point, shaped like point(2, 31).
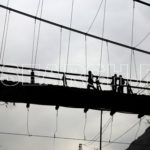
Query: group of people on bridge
point(117, 84)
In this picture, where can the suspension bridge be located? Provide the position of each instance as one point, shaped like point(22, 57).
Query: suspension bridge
point(32, 92)
point(32, 85)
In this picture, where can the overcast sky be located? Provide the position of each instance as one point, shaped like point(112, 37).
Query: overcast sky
point(71, 121)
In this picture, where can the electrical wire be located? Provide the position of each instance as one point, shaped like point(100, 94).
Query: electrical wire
point(68, 52)
point(99, 8)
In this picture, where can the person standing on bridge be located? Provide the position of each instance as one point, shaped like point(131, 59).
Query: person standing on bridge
point(64, 79)
point(114, 83)
point(121, 84)
point(90, 80)
point(98, 86)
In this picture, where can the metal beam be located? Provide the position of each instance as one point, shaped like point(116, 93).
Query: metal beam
point(75, 30)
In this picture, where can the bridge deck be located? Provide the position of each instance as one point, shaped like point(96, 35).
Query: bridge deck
point(74, 97)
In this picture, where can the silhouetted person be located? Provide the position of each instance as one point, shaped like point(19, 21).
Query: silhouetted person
point(114, 83)
point(129, 89)
point(90, 80)
point(32, 77)
point(64, 80)
point(98, 86)
point(121, 84)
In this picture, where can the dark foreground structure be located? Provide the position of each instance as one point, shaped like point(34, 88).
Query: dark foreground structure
point(74, 97)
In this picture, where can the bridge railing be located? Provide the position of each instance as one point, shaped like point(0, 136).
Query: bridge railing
point(52, 75)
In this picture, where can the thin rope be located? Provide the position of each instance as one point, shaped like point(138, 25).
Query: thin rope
point(103, 30)
point(38, 36)
point(111, 129)
point(60, 51)
point(68, 52)
point(138, 129)
point(108, 59)
point(28, 132)
point(85, 126)
point(85, 55)
point(99, 8)
point(56, 128)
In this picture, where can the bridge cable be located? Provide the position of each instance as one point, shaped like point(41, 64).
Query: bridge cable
point(5, 40)
point(4, 30)
point(28, 131)
point(68, 52)
point(124, 133)
point(86, 55)
point(103, 30)
point(60, 51)
point(108, 58)
point(111, 129)
point(38, 36)
point(132, 56)
point(34, 33)
point(99, 8)
point(56, 128)
point(85, 125)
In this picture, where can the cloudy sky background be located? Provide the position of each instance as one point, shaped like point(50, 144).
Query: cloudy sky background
point(71, 121)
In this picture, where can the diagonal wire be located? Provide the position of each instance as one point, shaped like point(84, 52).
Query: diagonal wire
point(38, 36)
point(99, 8)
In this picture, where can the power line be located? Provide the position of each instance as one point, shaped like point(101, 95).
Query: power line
point(75, 30)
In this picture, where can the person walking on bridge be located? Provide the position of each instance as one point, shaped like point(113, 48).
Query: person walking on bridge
point(90, 80)
point(114, 83)
point(121, 84)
